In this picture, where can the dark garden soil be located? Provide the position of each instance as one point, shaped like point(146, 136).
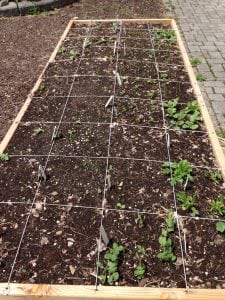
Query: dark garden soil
point(27, 42)
point(90, 154)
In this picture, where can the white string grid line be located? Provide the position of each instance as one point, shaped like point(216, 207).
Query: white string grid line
point(118, 97)
point(160, 213)
point(36, 193)
point(170, 164)
point(102, 59)
point(112, 157)
point(117, 124)
point(152, 80)
point(108, 154)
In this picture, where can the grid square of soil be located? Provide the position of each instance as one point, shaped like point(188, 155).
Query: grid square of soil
point(173, 89)
point(135, 33)
point(123, 229)
point(168, 57)
point(31, 139)
point(59, 247)
point(139, 88)
point(57, 86)
point(135, 43)
point(137, 69)
point(93, 86)
point(48, 109)
point(82, 140)
point(67, 50)
point(87, 109)
point(102, 66)
point(136, 53)
point(19, 179)
point(138, 142)
point(138, 112)
point(139, 186)
point(63, 68)
point(74, 181)
point(205, 266)
point(190, 145)
point(99, 52)
point(12, 221)
point(173, 72)
point(204, 190)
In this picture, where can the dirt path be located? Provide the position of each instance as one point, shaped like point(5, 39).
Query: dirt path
point(27, 42)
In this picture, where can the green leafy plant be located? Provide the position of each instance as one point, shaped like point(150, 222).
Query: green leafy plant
point(62, 50)
point(34, 11)
point(215, 176)
point(120, 206)
point(166, 34)
point(4, 156)
point(140, 268)
point(140, 220)
point(201, 77)
point(195, 61)
point(221, 133)
point(217, 206)
point(166, 244)
point(38, 130)
point(180, 172)
point(72, 54)
point(87, 44)
point(188, 202)
point(220, 227)
point(71, 135)
point(186, 118)
point(110, 272)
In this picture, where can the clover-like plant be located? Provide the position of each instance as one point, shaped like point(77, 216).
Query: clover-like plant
point(4, 157)
point(140, 268)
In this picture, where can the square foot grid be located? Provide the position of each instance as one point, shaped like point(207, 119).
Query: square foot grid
point(98, 125)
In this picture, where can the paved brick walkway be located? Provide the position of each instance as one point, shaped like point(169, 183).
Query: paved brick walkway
point(202, 23)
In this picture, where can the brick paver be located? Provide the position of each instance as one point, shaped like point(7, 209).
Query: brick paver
point(202, 24)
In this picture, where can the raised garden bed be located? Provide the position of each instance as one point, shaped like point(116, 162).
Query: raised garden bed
point(110, 188)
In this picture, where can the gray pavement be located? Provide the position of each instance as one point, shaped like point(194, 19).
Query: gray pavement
point(202, 24)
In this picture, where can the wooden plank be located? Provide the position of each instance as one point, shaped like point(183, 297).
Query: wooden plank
point(13, 127)
point(70, 292)
point(217, 149)
point(136, 21)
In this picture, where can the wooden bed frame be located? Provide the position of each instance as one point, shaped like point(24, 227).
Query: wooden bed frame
point(15, 291)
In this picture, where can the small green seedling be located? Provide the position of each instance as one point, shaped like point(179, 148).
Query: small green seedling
point(70, 135)
point(220, 227)
point(140, 220)
point(62, 50)
point(120, 206)
point(38, 130)
point(72, 54)
point(87, 44)
point(188, 202)
point(110, 272)
point(115, 27)
point(221, 133)
point(4, 156)
point(168, 35)
point(166, 245)
point(201, 77)
point(180, 172)
point(217, 206)
point(140, 269)
point(102, 40)
point(195, 61)
point(215, 176)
